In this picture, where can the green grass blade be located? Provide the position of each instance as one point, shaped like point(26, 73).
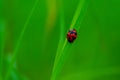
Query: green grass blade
point(62, 51)
point(62, 25)
point(77, 13)
point(19, 40)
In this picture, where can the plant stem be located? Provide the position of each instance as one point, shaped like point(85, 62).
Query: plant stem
point(53, 76)
point(77, 13)
point(19, 41)
point(62, 53)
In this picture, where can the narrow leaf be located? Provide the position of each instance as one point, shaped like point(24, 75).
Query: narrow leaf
point(62, 52)
point(19, 40)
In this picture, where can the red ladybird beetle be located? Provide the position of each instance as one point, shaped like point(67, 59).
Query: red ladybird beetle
point(71, 35)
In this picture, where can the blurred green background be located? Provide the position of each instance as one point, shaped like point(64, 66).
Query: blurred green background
point(95, 54)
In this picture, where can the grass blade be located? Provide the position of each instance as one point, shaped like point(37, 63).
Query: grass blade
point(61, 38)
point(62, 51)
point(77, 13)
point(19, 40)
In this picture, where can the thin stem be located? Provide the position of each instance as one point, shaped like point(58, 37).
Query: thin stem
point(77, 13)
point(75, 18)
point(19, 40)
point(54, 73)
point(61, 54)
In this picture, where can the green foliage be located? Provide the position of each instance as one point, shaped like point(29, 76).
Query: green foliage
point(33, 43)
point(19, 41)
point(1, 46)
point(62, 52)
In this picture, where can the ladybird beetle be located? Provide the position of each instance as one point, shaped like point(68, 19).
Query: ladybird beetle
point(71, 35)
